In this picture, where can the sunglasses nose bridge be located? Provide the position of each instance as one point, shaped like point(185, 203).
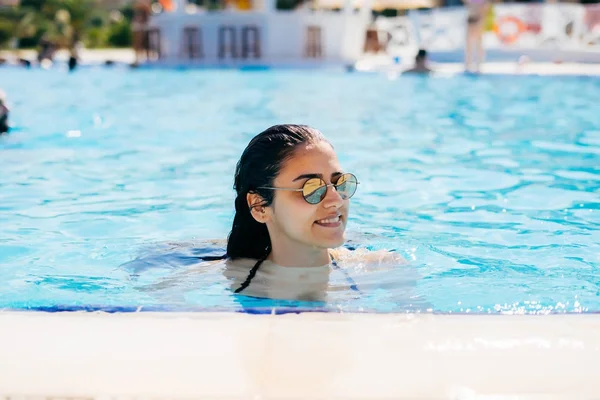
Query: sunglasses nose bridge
point(334, 190)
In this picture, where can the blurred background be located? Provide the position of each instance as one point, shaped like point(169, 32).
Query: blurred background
point(378, 32)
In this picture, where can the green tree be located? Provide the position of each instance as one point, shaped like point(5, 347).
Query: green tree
point(120, 34)
point(29, 27)
point(64, 23)
point(6, 31)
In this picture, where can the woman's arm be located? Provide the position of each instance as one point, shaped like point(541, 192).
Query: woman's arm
point(373, 259)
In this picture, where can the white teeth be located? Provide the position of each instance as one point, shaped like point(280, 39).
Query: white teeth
point(329, 220)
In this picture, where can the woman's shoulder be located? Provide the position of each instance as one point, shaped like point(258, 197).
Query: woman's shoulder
point(240, 262)
point(238, 267)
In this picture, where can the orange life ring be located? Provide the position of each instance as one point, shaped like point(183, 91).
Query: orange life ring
point(167, 5)
point(508, 29)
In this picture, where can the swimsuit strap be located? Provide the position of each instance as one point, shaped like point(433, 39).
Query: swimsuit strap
point(250, 275)
point(349, 279)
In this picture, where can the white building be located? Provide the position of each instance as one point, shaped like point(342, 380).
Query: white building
point(259, 36)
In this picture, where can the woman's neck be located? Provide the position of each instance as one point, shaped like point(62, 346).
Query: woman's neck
point(299, 257)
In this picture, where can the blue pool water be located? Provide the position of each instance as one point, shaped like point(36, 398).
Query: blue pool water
point(489, 186)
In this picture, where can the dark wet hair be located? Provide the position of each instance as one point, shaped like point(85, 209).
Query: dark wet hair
point(258, 166)
point(421, 55)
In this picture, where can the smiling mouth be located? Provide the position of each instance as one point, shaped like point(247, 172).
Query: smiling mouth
point(331, 222)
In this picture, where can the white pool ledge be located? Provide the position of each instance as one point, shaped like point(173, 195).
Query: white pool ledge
point(308, 356)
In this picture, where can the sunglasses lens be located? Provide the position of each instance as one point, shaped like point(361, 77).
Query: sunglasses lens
point(346, 185)
point(314, 190)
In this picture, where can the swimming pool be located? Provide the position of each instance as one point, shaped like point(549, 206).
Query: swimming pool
point(488, 185)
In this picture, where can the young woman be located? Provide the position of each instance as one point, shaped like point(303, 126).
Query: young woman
point(291, 210)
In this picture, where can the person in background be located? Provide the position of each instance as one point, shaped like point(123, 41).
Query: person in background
point(46, 50)
point(73, 60)
point(420, 64)
point(3, 113)
point(141, 15)
point(477, 10)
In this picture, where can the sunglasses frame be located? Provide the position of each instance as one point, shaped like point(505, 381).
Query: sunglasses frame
point(326, 185)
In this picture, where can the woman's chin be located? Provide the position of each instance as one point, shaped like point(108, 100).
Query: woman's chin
point(329, 236)
point(333, 242)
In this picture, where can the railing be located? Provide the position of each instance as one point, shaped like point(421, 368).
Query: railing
point(192, 47)
point(250, 42)
point(153, 49)
point(228, 42)
point(313, 44)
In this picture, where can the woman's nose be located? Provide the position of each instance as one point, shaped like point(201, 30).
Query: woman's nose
point(332, 197)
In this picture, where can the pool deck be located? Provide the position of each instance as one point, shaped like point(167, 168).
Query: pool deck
point(371, 63)
point(504, 68)
point(383, 64)
point(298, 356)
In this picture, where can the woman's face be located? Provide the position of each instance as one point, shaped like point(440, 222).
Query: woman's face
point(292, 220)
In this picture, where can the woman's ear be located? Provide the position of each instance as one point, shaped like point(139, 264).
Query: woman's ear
point(258, 211)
